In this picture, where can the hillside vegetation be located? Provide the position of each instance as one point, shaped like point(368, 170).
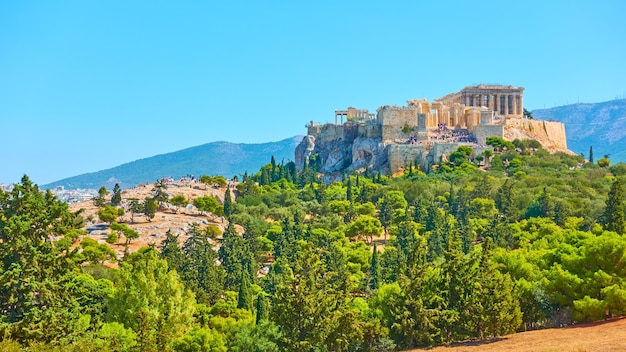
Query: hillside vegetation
point(483, 246)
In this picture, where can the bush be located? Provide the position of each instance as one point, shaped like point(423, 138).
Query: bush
point(113, 237)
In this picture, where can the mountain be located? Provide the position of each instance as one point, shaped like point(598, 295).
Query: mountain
point(217, 158)
point(601, 125)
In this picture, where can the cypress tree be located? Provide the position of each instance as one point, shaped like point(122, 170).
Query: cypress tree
point(349, 189)
point(613, 217)
point(375, 270)
point(591, 154)
point(228, 203)
point(261, 309)
point(245, 293)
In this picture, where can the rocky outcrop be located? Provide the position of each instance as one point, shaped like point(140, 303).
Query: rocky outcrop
point(550, 134)
point(304, 150)
point(338, 148)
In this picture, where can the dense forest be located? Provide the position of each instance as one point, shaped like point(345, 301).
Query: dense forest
point(481, 246)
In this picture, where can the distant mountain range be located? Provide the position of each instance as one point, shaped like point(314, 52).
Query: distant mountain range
point(601, 125)
point(217, 158)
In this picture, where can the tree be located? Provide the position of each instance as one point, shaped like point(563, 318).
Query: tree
point(126, 231)
point(528, 114)
point(614, 217)
point(150, 207)
point(40, 283)
point(199, 270)
point(151, 301)
point(228, 203)
point(245, 292)
point(178, 201)
point(591, 154)
point(99, 200)
point(374, 274)
point(208, 204)
point(200, 340)
point(365, 226)
point(171, 251)
point(262, 313)
point(135, 207)
point(109, 213)
point(159, 192)
point(231, 255)
point(116, 198)
point(604, 162)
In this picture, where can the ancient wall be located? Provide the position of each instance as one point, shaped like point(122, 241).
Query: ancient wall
point(482, 132)
point(440, 149)
point(550, 134)
point(330, 132)
point(393, 119)
point(399, 155)
point(370, 131)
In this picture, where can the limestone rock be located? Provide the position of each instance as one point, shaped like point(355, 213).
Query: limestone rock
point(304, 150)
point(368, 153)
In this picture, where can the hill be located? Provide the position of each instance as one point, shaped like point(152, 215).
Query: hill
point(601, 125)
point(216, 158)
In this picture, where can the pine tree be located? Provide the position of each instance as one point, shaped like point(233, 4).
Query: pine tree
point(116, 198)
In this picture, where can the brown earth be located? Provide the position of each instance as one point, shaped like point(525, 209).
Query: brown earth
point(609, 335)
point(166, 218)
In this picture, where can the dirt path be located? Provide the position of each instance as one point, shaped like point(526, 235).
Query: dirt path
point(602, 336)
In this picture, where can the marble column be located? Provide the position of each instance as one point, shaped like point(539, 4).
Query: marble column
point(506, 105)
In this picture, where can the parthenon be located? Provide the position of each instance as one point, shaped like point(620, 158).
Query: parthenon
point(505, 101)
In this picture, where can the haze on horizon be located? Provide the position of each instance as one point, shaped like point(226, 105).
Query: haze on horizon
point(89, 86)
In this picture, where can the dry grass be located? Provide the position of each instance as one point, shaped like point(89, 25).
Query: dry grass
point(602, 336)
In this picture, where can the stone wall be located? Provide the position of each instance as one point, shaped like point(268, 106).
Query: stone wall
point(482, 132)
point(370, 131)
point(399, 155)
point(393, 119)
point(550, 134)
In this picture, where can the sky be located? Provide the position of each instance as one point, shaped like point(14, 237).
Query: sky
point(90, 85)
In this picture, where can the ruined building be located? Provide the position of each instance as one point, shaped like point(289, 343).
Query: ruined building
point(424, 131)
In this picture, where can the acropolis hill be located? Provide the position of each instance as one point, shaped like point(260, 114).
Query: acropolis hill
point(424, 131)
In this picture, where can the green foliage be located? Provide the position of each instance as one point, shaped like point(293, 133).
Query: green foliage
point(178, 201)
point(208, 204)
point(116, 198)
point(109, 213)
point(200, 340)
point(151, 301)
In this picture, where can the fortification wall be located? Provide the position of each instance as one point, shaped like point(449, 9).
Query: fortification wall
point(482, 132)
point(330, 132)
point(399, 155)
point(550, 134)
point(370, 131)
point(393, 119)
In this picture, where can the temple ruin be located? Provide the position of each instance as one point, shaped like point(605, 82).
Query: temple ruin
point(423, 130)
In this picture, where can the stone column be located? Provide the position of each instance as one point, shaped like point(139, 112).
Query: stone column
point(514, 97)
point(521, 104)
point(506, 105)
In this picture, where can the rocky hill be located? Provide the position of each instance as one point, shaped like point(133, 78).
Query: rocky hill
point(217, 158)
point(601, 125)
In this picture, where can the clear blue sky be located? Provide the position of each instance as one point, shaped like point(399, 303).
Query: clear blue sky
point(89, 85)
